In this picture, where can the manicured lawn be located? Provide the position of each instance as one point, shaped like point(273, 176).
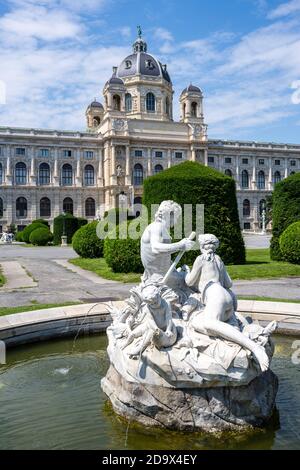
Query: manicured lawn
point(259, 265)
point(100, 267)
point(30, 308)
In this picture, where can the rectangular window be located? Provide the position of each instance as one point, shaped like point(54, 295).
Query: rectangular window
point(277, 162)
point(245, 161)
point(138, 153)
point(211, 159)
point(178, 154)
point(20, 151)
point(261, 161)
point(158, 154)
point(44, 153)
point(293, 162)
point(247, 226)
point(89, 154)
point(67, 153)
point(228, 160)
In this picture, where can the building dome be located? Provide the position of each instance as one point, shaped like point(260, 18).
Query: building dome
point(114, 80)
point(96, 104)
point(140, 62)
point(191, 88)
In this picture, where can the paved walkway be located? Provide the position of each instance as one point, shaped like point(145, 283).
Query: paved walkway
point(16, 276)
point(60, 282)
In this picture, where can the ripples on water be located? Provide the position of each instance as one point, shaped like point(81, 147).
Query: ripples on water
point(50, 398)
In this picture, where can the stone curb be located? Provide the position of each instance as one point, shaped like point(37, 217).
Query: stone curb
point(39, 325)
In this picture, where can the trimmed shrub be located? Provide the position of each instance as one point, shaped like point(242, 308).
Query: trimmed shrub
point(41, 236)
point(289, 243)
point(123, 255)
point(193, 183)
point(71, 225)
point(19, 236)
point(29, 229)
point(86, 243)
point(285, 210)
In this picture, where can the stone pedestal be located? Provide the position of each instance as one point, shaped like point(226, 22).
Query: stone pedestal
point(214, 409)
point(64, 240)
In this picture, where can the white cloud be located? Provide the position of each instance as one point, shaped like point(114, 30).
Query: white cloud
point(285, 9)
point(163, 34)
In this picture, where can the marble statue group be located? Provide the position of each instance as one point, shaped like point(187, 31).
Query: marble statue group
point(179, 335)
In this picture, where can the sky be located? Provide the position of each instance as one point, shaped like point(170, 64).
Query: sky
point(56, 55)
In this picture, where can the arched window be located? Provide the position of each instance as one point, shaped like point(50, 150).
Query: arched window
point(194, 109)
point(116, 103)
point(67, 175)
point(158, 168)
point(128, 103)
point(245, 179)
point(21, 207)
point(261, 182)
point(21, 173)
point(184, 110)
point(96, 121)
point(44, 174)
point(262, 206)
point(89, 175)
point(90, 207)
point(45, 207)
point(228, 172)
point(167, 106)
point(138, 175)
point(1, 207)
point(246, 208)
point(150, 102)
point(277, 177)
point(1, 173)
point(68, 205)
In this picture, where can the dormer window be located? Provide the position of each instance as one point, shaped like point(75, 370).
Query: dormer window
point(128, 64)
point(149, 64)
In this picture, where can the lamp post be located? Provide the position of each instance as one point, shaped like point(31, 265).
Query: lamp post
point(64, 239)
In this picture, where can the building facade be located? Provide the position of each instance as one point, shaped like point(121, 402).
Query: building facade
point(130, 137)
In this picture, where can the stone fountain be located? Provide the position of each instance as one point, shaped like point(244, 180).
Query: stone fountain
point(181, 357)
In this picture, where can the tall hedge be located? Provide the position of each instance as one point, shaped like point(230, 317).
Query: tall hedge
point(71, 226)
point(285, 210)
point(193, 183)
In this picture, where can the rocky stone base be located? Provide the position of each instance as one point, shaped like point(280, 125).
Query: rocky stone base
point(212, 409)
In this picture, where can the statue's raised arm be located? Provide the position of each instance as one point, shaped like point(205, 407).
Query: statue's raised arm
point(156, 243)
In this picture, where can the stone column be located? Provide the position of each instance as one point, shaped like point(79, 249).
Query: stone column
point(55, 179)
point(8, 175)
point(254, 174)
point(149, 161)
point(106, 165)
point(78, 168)
point(32, 167)
point(169, 158)
point(193, 153)
point(113, 178)
point(205, 157)
point(100, 167)
point(237, 173)
point(128, 169)
point(286, 173)
point(270, 179)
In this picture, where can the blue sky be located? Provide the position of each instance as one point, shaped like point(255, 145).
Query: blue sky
point(55, 56)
